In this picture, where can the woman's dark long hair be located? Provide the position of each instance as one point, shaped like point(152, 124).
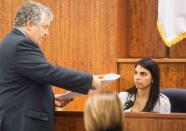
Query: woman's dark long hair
point(151, 66)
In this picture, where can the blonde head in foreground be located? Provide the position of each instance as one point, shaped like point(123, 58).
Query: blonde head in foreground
point(103, 112)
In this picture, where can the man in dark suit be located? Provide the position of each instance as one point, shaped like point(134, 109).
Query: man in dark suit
point(26, 99)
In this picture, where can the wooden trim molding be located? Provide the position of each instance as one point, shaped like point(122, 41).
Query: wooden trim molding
point(161, 60)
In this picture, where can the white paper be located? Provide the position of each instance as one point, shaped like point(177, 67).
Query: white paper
point(68, 95)
point(109, 78)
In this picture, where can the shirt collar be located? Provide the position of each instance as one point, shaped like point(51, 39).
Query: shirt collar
point(24, 33)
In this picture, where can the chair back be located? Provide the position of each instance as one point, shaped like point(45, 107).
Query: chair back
point(177, 99)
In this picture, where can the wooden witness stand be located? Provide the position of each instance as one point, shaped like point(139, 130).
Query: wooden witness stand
point(73, 121)
point(154, 122)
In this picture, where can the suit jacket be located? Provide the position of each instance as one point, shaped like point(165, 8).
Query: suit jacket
point(26, 99)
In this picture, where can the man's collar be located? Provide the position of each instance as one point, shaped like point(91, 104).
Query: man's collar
point(24, 33)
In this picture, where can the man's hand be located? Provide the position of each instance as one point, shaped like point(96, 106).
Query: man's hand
point(62, 102)
point(100, 76)
point(96, 83)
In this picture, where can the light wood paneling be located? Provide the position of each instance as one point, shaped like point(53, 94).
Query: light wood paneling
point(143, 38)
point(122, 29)
point(5, 17)
point(86, 33)
point(178, 50)
point(172, 73)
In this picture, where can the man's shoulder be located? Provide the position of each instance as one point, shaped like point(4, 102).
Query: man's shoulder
point(14, 38)
point(17, 39)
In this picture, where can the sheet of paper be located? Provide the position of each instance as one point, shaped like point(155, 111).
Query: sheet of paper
point(68, 95)
point(109, 78)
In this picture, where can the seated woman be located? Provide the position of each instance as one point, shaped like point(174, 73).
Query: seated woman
point(103, 112)
point(145, 95)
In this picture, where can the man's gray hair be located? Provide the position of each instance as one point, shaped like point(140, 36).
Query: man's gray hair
point(31, 11)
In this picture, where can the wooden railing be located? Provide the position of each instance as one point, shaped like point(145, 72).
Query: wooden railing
point(73, 121)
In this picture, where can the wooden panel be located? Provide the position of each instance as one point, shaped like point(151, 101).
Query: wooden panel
point(126, 80)
point(172, 72)
point(143, 38)
point(69, 121)
point(142, 121)
point(173, 75)
point(154, 122)
point(87, 38)
point(5, 17)
point(122, 29)
point(88, 35)
point(178, 50)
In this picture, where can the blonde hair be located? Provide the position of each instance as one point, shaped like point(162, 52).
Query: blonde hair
point(103, 112)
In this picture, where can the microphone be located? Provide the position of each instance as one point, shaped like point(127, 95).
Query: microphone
point(128, 104)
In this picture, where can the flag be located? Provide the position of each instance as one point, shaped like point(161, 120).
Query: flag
point(172, 21)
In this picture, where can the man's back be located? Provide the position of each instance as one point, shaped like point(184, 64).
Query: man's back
point(21, 98)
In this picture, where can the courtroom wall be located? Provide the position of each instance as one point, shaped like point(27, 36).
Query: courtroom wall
point(91, 35)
